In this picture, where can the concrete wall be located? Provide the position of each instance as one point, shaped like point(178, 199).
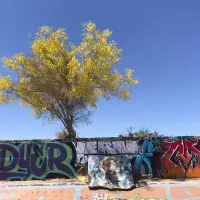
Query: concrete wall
point(41, 159)
point(75, 191)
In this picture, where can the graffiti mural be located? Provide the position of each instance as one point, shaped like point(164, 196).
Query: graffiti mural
point(166, 157)
point(85, 148)
point(180, 158)
point(26, 161)
point(110, 172)
point(140, 151)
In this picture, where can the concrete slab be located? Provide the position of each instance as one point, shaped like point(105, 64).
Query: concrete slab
point(73, 190)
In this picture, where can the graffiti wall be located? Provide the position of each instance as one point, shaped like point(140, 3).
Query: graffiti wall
point(140, 151)
point(168, 157)
point(180, 157)
point(25, 161)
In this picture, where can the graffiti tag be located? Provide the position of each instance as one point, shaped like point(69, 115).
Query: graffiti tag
point(25, 161)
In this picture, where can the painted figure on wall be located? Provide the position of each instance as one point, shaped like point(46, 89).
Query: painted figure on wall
point(142, 161)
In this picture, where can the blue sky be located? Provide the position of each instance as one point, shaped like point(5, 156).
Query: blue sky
point(160, 41)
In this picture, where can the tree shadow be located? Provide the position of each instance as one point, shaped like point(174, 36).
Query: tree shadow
point(112, 189)
point(142, 182)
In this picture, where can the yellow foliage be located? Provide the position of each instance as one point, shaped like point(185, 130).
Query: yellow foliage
point(45, 30)
point(5, 82)
point(82, 179)
point(57, 72)
point(2, 98)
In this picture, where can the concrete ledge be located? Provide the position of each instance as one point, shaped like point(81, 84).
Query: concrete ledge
point(73, 190)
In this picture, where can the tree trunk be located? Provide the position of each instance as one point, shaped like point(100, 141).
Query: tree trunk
point(70, 129)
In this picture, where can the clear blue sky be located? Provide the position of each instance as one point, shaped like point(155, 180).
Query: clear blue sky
point(160, 41)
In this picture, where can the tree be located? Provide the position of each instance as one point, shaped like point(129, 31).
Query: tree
point(143, 132)
point(63, 81)
point(63, 135)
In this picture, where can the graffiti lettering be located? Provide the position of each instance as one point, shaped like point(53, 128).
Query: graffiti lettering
point(107, 147)
point(83, 149)
point(181, 150)
point(180, 158)
point(24, 161)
